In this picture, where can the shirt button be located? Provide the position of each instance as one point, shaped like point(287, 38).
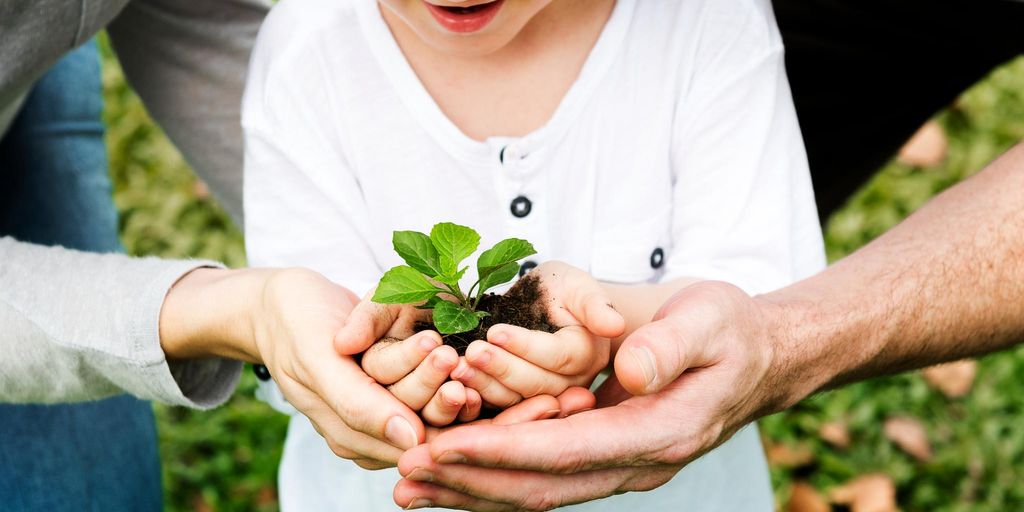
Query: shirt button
point(657, 258)
point(521, 206)
point(501, 154)
point(261, 371)
point(526, 267)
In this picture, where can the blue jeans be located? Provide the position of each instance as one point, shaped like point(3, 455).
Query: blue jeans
point(55, 190)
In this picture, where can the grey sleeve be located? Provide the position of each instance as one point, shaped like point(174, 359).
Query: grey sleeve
point(187, 60)
point(80, 326)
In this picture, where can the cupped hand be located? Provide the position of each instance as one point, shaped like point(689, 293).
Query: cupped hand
point(704, 368)
point(515, 362)
point(299, 314)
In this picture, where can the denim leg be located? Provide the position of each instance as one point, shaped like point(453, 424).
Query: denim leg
point(55, 190)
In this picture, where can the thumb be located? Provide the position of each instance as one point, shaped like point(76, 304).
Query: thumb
point(684, 335)
point(366, 324)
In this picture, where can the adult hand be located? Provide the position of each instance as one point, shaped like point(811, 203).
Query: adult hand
point(288, 319)
point(702, 370)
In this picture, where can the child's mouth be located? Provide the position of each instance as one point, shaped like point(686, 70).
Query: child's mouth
point(464, 19)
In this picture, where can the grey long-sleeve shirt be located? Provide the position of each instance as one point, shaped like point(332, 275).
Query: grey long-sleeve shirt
point(77, 326)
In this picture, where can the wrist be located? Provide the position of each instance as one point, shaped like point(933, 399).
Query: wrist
point(800, 364)
point(210, 313)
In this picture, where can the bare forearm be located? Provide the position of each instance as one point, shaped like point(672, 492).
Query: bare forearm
point(209, 313)
point(945, 284)
point(638, 303)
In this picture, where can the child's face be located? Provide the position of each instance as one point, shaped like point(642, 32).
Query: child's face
point(466, 27)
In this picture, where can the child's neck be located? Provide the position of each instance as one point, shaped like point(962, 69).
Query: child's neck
point(516, 89)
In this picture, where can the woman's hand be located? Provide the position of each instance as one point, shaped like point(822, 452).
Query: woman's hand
point(288, 319)
point(515, 363)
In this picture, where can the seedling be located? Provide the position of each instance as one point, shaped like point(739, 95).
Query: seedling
point(433, 270)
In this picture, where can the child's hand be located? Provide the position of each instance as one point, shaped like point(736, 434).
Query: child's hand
point(413, 366)
point(416, 371)
point(516, 363)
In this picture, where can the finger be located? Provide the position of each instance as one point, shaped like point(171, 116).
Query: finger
point(471, 410)
point(569, 351)
point(411, 495)
point(575, 400)
point(354, 399)
point(492, 391)
point(367, 323)
point(461, 485)
point(589, 303)
point(445, 405)
point(417, 388)
point(389, 361)
point(540, 407)
point(561, 445)
point(657, 353)
point(537, 408)
point(517, 374)
point(347, 443)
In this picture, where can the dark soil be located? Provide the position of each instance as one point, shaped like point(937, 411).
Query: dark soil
point(522, 305)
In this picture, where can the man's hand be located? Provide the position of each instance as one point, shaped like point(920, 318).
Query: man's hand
point(701, 371)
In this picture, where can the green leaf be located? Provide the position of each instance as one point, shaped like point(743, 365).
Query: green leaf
point(404, 285)
point(454, 243)
point(451, 318)
point(418, 251)
point(453, 280)
point(502, 274)
point(481, 314)
point(503, 252)
point(431, 303)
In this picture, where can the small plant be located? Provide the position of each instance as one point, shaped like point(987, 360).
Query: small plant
point(433, 269)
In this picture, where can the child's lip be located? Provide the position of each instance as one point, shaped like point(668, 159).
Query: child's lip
point(464, 23)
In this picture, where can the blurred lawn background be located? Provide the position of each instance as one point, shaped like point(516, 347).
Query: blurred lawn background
point(226, 459)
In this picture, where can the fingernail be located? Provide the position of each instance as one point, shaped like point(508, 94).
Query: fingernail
point(419, 503)
point(482, 358)
point(399, 432)
point(421, 475)
point(645, 359)
point(439, 363)
point(450, 401)
point(498, 338)
point(466, 373)
point(451, 458)
point(428, 343)
point(550, 414)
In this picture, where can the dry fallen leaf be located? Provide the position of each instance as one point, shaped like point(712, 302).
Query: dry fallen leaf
point(868, 493)
point(926, 148)
point(835, 433)
point(909, 435)
point(789, 456)
point(952, 379)
point(803, 497)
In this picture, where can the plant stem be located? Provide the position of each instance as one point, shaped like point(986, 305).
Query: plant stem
point(458, 294)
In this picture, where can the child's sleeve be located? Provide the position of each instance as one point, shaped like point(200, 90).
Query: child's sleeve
point(743, 207)
point(303, 204)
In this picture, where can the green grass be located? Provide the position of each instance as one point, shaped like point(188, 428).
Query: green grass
point(226, 459)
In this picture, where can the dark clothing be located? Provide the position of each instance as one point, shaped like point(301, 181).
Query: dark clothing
point(866, 74)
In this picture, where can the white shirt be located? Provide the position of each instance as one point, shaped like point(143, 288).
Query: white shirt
point(675, 153)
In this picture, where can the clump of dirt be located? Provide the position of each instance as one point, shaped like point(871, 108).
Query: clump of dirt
point(522, 305)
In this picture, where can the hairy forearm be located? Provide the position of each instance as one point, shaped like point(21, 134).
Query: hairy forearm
point(947, 283)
